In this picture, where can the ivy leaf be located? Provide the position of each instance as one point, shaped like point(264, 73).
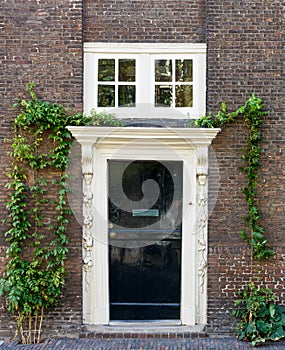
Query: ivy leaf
point(272, 310)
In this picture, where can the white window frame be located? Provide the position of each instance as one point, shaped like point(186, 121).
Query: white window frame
point(145, 54)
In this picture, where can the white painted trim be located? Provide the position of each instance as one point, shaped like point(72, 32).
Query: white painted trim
point(187, 145)
point(153, 48)
point(189, 137)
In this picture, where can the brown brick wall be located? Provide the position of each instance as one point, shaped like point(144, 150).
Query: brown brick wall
point(245, 55)
point(41, 42)
point(144, 21)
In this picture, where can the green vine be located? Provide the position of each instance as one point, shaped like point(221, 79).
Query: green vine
point(37, 248)
point(252, 112)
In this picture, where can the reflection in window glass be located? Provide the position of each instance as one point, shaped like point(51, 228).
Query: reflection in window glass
point(117, 81)
point(183, 70)
point(163, 70)
point(163, 95)
point(106, 70)
point(173, 75)
point(106, 96)
point(127, 70)
point(184, 96)
point(127, 95)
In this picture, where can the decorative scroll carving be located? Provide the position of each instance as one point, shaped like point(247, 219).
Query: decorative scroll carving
point(87, 244)
point(202, 220)
point(87, 221)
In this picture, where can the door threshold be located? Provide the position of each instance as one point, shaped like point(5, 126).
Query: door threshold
point(145, 323)
point(144, 329)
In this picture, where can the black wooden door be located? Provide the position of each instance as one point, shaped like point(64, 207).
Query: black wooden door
point(145, 199)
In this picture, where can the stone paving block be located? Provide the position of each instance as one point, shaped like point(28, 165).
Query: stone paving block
point(226, 343)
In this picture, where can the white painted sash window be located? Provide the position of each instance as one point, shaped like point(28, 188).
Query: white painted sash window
point(145, 80)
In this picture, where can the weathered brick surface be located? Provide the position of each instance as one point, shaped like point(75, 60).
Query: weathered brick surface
point(144, 21)
point(245, 56)
point(41, 42)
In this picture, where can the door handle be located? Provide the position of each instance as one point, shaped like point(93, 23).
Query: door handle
point(112, 234)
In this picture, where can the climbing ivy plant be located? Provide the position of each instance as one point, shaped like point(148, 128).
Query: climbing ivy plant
point(37, 208)
point(253, 113)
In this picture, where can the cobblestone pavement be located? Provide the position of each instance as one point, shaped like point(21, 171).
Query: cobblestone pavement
point(226, 343)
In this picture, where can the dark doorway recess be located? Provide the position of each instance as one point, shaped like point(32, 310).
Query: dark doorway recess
point(145, 214)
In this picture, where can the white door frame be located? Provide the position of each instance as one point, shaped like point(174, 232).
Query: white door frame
point(99, 144)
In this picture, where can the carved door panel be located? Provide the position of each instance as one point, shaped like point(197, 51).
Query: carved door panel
point(145, 206)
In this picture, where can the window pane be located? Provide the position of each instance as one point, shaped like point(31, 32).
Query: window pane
point(163, 96)
point(127, 95)
point(106, 70)
point(163, 70)
point(184, 70)
point(127, 70)
point(184, 96)
point(106, 96)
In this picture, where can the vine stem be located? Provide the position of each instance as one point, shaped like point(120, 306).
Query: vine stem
point(252, 112)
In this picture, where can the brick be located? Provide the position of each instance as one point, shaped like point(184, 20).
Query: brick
point(42, 43)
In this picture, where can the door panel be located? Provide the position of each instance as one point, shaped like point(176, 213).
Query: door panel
point(145, 199)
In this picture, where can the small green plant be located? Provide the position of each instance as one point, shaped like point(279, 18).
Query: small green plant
point(252, 112)
point(103, 119)
point(260, 319)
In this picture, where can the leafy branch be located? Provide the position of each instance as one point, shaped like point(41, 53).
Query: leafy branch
point(252, 112)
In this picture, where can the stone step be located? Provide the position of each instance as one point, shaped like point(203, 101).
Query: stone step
point(143, 330)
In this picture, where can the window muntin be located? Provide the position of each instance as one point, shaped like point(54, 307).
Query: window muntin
point(116, 82)
point(173, 83)
point(173, 79)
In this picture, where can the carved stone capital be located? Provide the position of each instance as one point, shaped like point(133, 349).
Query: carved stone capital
point(202, 180)
point(87, 158)
point(202, 160)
